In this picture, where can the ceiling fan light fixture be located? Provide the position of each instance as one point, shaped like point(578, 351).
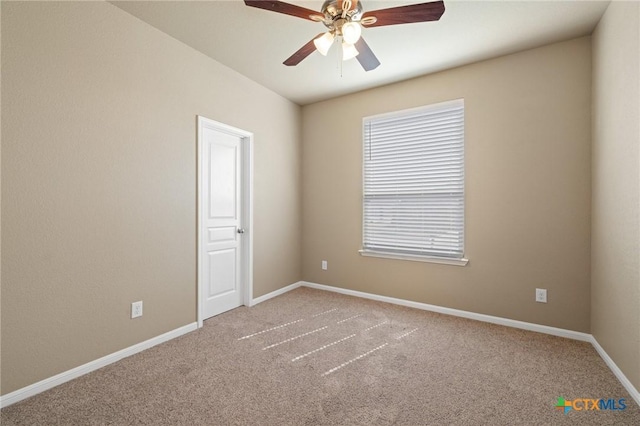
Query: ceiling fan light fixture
point(345, 19)
point(349, 51)
point(351, 32)
point(323, 43)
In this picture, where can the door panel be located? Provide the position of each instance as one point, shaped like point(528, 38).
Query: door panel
point(224, 164)
point(223, 234)
point(222, 272)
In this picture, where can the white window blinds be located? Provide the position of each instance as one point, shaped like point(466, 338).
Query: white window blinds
point(414, 181)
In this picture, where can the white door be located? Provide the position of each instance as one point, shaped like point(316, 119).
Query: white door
point(222, 264)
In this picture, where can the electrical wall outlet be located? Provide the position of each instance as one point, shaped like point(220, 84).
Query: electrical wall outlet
point(324, 265)
point(136, 309)
point(541, 295)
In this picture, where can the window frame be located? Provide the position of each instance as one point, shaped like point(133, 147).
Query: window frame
point(447, 260)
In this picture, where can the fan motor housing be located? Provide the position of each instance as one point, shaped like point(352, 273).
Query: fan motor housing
point(332, 10)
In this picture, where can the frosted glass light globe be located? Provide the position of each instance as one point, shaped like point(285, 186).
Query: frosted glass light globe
point(349, 51)
point(323, 43)
point(351, 32)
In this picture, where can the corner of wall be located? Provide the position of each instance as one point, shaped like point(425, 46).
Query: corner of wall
point(615, 230)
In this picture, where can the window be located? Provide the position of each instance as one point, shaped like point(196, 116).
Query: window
point(414, 184)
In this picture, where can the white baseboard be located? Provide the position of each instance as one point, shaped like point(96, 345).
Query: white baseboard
point(576, 335)
point(616, 371)
point(570, 334)
point(275, 293)
point(58, 379)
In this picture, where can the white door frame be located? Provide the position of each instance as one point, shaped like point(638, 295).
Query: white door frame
point(246, 269)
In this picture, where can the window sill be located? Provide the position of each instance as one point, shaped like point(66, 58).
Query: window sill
point(428, 259)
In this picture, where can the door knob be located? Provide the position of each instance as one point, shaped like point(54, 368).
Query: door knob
point(240, 230)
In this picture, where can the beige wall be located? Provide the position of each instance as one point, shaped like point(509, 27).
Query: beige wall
point(615, 244)
point(99, 182)
point(527, 188)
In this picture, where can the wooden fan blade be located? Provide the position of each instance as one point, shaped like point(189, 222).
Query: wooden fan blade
point(302, 53)
point(422, 12)
point(282, 7)
point(365, 56)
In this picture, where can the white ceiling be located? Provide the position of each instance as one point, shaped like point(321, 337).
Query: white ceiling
point(255, 42)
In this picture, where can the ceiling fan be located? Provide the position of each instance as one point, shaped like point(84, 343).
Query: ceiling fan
point(345, 18)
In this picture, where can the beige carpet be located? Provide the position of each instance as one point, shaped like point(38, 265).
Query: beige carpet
point(316, 358)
